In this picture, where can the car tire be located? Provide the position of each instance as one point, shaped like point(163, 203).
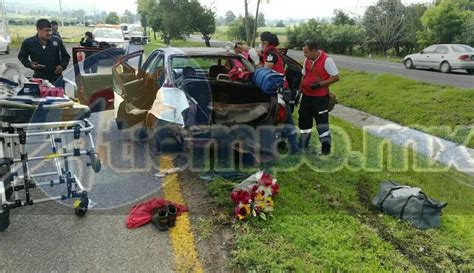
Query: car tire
point(470, 71)
point(8, 50)
point(445, 67)
point(160, 136)
point(409, 64)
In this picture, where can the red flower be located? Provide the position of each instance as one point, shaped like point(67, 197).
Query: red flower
point(266, 180)
point(240, 196)
point(275, 189)
point(234, 196)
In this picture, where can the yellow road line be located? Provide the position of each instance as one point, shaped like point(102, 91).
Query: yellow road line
point(182, 238)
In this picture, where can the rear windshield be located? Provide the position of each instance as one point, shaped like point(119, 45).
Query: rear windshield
point(462, 48)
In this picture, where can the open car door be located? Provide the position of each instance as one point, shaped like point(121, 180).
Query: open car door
point(292, 70)
point(93, 76)
point(128, 78)
point(135, 88)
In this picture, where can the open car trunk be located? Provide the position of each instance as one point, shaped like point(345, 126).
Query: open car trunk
point(229, 103)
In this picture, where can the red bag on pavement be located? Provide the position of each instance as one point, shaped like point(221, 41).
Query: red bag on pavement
point(141, 214)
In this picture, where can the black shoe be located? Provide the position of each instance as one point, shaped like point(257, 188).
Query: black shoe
point(326, 149)
point(172, 212)
point(160, 220)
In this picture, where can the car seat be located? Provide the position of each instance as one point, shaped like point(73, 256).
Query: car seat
point(216, 70)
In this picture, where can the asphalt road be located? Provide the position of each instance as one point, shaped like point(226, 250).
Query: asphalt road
point(457, 78)
point(49, 237)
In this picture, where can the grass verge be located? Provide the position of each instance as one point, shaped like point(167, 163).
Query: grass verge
point(324, 220)
point(443, 111)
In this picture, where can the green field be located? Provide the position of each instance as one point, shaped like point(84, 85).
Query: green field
point(440, 110)
point(324, 221)
point(70, 34)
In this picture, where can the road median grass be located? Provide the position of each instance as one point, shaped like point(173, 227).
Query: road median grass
point(443, 111)
point(324, 220)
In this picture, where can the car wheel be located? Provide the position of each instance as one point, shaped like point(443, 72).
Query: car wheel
point(163, 136)
point(470, 71)
point(445, 67)
point(409, 64)
point(8, 50)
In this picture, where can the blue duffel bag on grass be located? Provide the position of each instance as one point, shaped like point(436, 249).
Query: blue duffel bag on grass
point(269, 81)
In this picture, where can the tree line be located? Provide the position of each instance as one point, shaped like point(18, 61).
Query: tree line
point(389, 26)
point(74, 17)
point(177, 19)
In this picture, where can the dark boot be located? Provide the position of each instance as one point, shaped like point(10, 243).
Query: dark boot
point(172, 212)
point(304, 141)
point(326, 148)
point(160, 220)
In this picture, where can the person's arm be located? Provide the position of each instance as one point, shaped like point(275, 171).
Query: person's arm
point(82, 43)
point(65, 57)
point(331, 69)
point(271, 60)
point(24, 54)
point(248, 48)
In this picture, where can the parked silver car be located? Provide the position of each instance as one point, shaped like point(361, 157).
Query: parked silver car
point(443, 57)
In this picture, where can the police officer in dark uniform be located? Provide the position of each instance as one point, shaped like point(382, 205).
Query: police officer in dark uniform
point(90, 63)
point(44, 54)
point(55, 27)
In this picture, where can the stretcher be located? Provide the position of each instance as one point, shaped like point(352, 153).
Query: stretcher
point(28, 125)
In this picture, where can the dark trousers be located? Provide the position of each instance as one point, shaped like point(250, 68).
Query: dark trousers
point(315, 108)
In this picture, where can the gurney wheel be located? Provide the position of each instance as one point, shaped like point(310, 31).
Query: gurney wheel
point(80, 212)
point(80, 207)
point(9, 192)
point(4, 218)
point(95, 162)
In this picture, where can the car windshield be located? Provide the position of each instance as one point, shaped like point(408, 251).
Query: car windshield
point(462, 48)
point(138, 29)
point(108, 33)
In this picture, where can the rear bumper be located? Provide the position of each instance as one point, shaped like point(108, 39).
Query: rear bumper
point(242, 138)
point(463, 65)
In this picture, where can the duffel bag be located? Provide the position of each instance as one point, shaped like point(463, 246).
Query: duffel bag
point(267, 80)
point(409, 204)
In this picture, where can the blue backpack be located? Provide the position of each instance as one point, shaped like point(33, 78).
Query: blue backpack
point(267, 80)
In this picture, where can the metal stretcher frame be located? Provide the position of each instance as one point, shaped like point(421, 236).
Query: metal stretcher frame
point(15, 136)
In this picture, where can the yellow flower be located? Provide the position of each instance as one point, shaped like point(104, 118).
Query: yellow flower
point(243, 211)
point(269, 202)
point(259, 197)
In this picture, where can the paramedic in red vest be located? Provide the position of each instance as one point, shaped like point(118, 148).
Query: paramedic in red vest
point(319, 72)
point(272, 59)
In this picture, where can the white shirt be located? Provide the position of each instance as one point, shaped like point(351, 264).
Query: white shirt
point(329, 66)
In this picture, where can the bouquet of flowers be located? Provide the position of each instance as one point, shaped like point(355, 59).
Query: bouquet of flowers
point(255, 196)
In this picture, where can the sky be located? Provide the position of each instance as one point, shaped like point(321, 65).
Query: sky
point(274, 9)
point(297, 9)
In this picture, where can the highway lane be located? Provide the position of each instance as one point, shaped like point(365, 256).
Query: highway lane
point(456, 78)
